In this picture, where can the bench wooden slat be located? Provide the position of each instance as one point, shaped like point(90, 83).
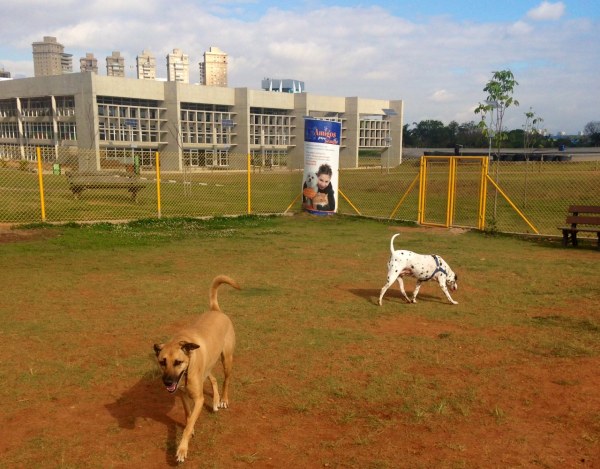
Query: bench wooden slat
point(578, 229)
point(80, 181)
point(583, 220)
point(584, 209)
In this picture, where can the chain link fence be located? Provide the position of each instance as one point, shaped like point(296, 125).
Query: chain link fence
point(525, 196)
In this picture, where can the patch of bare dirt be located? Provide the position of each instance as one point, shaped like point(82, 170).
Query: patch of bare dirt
point(10, 234)
point(429, 229)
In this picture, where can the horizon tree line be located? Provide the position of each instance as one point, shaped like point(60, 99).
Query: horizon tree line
point(431, 133)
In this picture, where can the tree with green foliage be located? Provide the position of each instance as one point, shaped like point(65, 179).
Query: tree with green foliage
point(407, 136)
point(470, 135)
point(592, 132)
point(499, 98)
point(531, 131)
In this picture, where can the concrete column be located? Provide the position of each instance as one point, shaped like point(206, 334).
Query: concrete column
point(349, 154)
point(241, 111)
point(171, 157)
point(86, 110)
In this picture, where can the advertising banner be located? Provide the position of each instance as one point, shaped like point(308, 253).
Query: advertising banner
point(321, 165)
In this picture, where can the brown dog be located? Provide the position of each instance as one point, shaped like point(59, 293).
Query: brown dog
point(188, 359)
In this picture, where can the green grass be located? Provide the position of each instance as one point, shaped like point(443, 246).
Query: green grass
point(321, 373)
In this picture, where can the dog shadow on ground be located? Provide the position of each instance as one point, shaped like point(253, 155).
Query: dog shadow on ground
point(372, 295)
point(148, 400)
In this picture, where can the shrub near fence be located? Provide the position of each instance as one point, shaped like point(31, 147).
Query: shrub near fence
point(541, 190)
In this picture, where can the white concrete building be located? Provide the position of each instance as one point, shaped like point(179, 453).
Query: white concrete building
point(146, 66)
point(178, 65)
point(89, 63)
point(191, 125)
point(213, 71)
point(49, 58)
point(115, 65)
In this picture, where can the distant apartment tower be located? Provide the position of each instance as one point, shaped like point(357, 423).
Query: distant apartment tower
point(178, 66)
point(146, 66)
point(49, 58)
point(283, 86)
point(4, 73)
point(213, 71)
point(115, 65)
point(89, 63)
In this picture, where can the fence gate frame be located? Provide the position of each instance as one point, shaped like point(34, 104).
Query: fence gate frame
point(484, 178)
point(453, 162)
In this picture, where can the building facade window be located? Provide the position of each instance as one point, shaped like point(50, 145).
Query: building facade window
point(65, 106)
point(36, 107)
point(8, 108)
point(145, 156)
point(10, 152)
point(205, 124)
point(268, 158)
point(203, 158)
point(38, 130)
point(128, 120)
point(9, 130)
point(374, 133)
point(273, 127)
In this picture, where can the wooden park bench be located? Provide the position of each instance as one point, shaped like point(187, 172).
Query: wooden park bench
point(80, 181)
point(581, 218)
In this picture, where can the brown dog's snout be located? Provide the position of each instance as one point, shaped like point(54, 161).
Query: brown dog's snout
point(172, 382)
point(169, 380)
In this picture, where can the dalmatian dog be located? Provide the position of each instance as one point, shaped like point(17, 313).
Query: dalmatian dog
point(423, 268)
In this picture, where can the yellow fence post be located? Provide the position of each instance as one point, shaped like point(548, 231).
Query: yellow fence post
point(422, 179)
point(249, 184)
point(41, 182)
point(158, 183)
point(451, 192)
point(483, 193)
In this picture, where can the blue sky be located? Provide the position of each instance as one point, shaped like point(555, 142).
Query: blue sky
point(434, 55)
point(420, 10)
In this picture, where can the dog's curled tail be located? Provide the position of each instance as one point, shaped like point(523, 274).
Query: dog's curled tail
point(392, 243)
point(218, 280)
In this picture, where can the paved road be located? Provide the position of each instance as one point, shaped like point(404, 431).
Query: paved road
point(578, 154)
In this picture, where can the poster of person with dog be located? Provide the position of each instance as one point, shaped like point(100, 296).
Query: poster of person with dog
point(321, 164)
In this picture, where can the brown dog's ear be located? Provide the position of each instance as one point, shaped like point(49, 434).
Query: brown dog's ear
point(187, 347)
point(158, 348)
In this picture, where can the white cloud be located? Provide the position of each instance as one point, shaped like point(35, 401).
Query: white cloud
point(521, 27)
point(441, 96)
point(547, 11)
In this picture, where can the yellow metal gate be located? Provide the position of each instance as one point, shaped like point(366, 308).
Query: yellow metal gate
point(452, 191)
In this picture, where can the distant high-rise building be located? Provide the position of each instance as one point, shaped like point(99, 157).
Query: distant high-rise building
point(146, 66)
point(4, 73)
point(213, 71)
point(115, 65)
point(89, 63)
point(49, 58)
point(283, 86)
point(178, 66)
